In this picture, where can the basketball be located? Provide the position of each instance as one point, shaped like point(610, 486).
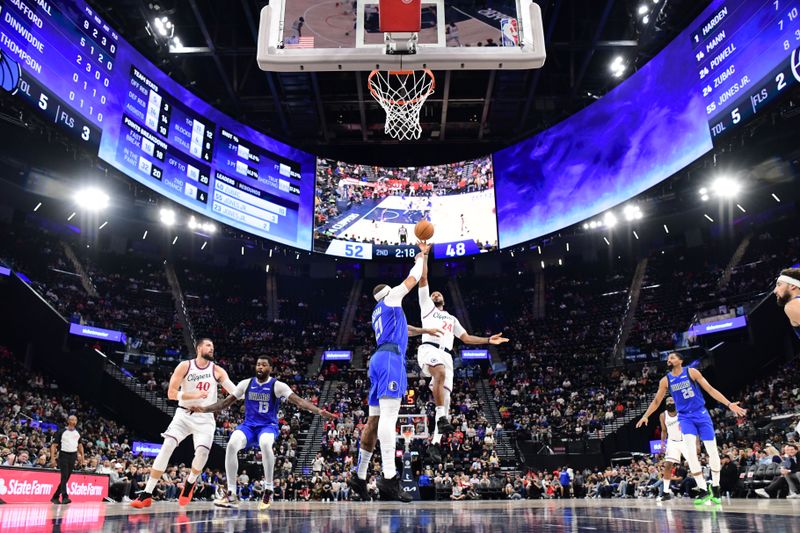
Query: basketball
point(423, 230)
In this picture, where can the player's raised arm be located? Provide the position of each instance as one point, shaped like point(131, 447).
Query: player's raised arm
point(173, 392)
point(714, 393)
point(394, 296)
point(662, 391)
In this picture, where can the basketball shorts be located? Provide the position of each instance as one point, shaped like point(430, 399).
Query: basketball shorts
point(201, 426)
point(429, 356)
point(698, 424)
point(387, 377)
point(253, 432)
point(674, 451)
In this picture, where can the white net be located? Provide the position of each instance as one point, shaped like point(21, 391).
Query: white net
point(401, 94)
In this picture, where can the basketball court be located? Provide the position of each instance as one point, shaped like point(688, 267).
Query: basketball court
point(523, 515)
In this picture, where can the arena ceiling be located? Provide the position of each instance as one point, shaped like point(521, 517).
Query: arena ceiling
point(474, 113)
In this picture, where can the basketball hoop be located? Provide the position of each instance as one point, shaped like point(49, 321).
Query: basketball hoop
point(401, 94)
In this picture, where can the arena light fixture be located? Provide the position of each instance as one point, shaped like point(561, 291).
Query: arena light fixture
point(242, 250)
point(174, 240)
point(91, 199)
point(542, 262)
point(776, 197)
point(742, 209)
point(144, 235)
point(632, 212)
point(204, 245)
point(618, 67)
point(610, 220)
point(103, 225)
point(560, 262)
point(725, 187)
point(646, 19)
point(607, 241)
point(267, 268)
point(708, 217)
point(71, 216)
point(666, 229)
point(643, 10)
point(270, 252)
point(37, 207)
point(568, 247)
point(636, 235)
point(167, 217)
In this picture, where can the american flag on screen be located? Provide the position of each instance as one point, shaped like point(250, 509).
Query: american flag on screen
point(301, 42)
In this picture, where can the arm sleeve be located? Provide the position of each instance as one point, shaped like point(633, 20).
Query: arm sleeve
point(458, 329)
point(425, 302)
point(282, 390)
point(395, 296)
point(241, 389)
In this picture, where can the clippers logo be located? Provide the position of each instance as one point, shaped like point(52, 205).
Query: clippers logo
point(796, 64)
point(393, 386)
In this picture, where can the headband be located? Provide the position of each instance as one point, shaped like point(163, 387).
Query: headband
point(789, 280)
point(384, 292)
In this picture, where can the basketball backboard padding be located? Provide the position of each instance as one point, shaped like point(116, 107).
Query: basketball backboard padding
point(275, 56)
point(403, 16)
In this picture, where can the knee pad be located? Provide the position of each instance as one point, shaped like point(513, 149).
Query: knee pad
point(162, 459)
point(713, 455)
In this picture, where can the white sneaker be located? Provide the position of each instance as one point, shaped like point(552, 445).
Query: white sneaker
point(761, 493)
point(229, 501)
point(125, 499)
point(794, 496)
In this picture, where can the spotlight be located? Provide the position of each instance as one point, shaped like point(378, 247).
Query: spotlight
point(618, 67)
point(742, 209)
point(103, 225)
point(204, 245)
point(37, 207)
point(609, 220)
point(607, 241)
point(643, 10)
point(725, 187)
point(708, 217)
point(144, 235)
point(775, 196)
point(632, 212)
point(542, 264)
point(91, 199)
point(666, 229)
point(174, 240)
point(167, 217)
point(636, 235)
point(646, 19)
point(586, 225)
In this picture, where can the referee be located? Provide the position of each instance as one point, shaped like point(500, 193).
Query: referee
point(70, 449)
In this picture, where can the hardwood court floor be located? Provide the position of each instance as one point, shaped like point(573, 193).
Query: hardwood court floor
point(773, 516)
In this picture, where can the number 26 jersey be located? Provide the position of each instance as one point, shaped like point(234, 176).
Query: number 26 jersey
point(686, 392)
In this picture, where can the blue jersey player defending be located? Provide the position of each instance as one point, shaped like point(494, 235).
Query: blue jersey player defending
point(387, 376)
point(787, 293)
point(262, 396)
point(685, 386)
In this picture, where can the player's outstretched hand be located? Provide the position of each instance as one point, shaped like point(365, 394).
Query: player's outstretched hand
point(436, 332)
point(738, 411)
point(497, 339)
point(424, 247)
point(327, 414)
point(642, 422)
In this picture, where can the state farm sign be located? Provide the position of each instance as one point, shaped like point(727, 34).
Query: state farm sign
point(22, 485)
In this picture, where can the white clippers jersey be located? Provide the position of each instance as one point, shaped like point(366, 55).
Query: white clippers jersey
point(197, 380)
point(673, 427)
point(434, 318)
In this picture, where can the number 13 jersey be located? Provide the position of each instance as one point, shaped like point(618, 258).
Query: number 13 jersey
point(262, 400)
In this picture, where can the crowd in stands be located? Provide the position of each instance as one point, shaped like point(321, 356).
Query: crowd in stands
point(341, 186)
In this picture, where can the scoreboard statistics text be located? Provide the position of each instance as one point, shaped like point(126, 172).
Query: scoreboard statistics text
point(63, 59)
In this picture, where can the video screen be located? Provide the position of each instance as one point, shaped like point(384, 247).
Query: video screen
point(378, 207)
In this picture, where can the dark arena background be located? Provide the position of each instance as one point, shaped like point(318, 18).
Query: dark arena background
point(200, 199)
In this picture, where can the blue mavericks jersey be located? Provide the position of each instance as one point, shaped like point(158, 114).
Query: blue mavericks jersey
point(686, 392)
point(260, 403)
point(390, 326)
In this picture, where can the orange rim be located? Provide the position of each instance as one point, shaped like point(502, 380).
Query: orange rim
point(380, 98)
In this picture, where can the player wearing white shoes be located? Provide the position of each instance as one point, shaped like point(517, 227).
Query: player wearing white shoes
point(671, 443)
point(194, 384)
point(262, 396)
point(435, 357)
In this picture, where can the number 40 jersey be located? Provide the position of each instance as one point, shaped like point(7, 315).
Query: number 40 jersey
point(262, 400)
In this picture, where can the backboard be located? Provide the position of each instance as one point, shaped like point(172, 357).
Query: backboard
point(331, 35)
